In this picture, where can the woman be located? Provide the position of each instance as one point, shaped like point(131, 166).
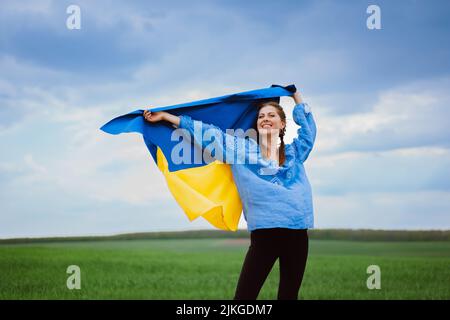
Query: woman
point(275, 193)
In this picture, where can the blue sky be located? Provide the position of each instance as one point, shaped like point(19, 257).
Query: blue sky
point(380, 98)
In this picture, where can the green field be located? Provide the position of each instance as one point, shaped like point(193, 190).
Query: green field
point(209, 269)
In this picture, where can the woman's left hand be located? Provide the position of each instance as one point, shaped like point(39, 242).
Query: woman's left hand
point(297, 97)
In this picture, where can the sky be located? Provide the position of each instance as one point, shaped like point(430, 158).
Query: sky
point(380, 98)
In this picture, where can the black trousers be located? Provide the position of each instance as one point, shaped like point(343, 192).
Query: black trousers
point(267, 245)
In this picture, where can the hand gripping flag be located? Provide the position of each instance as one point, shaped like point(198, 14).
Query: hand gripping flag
point(201, 189)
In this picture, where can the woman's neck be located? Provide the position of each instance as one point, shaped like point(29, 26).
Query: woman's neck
point(269, 147)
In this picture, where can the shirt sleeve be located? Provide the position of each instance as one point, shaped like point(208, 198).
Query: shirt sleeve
point(219, 145)
point(306, 134)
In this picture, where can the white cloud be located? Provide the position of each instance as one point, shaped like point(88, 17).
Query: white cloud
point(27, 6)
point(407, 116)
point(381, 210)
point(396, 171)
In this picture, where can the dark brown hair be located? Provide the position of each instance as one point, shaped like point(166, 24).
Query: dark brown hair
point(280, 111)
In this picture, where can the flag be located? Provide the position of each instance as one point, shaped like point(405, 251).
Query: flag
point(201, 189)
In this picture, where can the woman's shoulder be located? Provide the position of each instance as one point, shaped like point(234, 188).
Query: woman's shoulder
point(290, 152)
point(289, 148)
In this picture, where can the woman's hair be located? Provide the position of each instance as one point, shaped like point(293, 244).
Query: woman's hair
point(280, 111)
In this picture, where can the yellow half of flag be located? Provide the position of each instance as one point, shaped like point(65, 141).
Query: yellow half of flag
point(208, 191)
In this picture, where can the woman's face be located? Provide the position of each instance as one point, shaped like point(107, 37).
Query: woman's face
point(269, 120)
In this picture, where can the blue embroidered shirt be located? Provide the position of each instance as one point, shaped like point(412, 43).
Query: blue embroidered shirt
point(272, 196)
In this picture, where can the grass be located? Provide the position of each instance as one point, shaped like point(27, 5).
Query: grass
point(209, 269)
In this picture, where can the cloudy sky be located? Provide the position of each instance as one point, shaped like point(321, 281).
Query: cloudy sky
point(381, 101)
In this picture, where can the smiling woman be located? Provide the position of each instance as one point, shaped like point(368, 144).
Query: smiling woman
point(271, 124)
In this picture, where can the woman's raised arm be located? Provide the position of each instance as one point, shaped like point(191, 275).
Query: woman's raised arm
point(161, 115)
point(306, 134)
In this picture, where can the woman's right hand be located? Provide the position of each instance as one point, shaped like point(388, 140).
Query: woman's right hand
point(154, 116)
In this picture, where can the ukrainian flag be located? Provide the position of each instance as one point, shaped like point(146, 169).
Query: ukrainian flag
point(201, 189)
